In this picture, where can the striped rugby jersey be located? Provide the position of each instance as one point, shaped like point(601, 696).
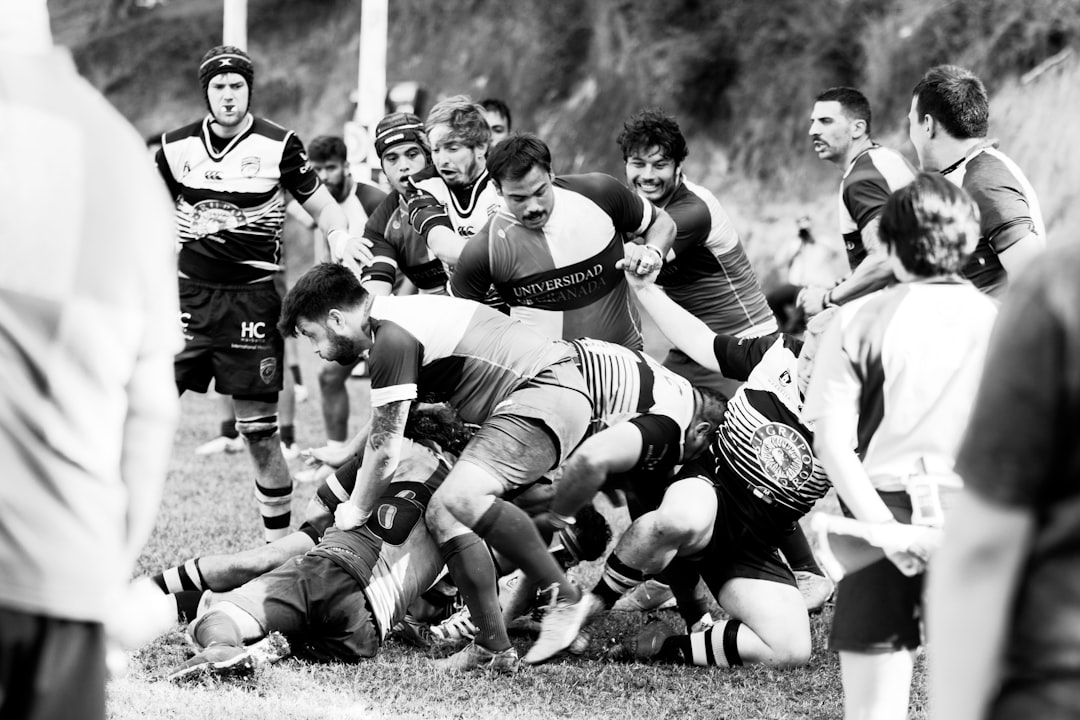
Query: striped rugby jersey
point(435, 348)
point(397, 247)
point(561, 279)
point(230, 203)
point(874, 175)
point(707, 270)
point(762, 441)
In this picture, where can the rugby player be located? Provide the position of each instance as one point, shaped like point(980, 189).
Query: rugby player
point(497, 114)
point(840, 133)
point(228, 174)
point(551, 253)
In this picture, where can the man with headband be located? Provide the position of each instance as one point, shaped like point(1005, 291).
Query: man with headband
point(228, 174)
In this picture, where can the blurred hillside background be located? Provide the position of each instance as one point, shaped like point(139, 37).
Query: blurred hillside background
point(740, 75)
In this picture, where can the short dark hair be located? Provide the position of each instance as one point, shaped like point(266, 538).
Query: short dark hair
point(465, 118)
point(497, 105)
point(323, 288)
point(514, 157)
point(931, 225)
point(956, 98)
point(440, 424)
point(326, 148)
point(653, 127)
point(854, 103)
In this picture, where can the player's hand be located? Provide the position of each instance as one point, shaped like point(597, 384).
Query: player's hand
point(811, 300)
point(425, 211)
point(907, 562)
point(359, 249)
point(335, 457)
point(634, 279)
point(347, 516)
point(641, 260)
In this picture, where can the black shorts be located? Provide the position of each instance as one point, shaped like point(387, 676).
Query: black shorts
point(878, 608)
point(230, 336)
point(51, 668)
point(744, 540)
point(315, 603)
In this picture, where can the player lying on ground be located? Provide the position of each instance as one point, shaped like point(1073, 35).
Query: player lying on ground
point(341, 599)
point(725, 514)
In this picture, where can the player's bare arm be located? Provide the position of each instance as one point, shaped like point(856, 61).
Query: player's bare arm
point(1017, 256)
point(381, 455)
point(685, 331)
point(656, 243)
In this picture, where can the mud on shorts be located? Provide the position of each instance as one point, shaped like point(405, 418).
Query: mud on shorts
point(230, 336)
point(535, 428)
point(316, 604)
point(878, 608)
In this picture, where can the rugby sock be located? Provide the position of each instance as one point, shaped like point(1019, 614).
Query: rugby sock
point(228, 429)
point(510, 531)
point(187, 604)
point(182, 577)
point(288, 434)
point(719, 645)
point(798, 554)
point(470, 565)
point(275, 505)
point(617, 580)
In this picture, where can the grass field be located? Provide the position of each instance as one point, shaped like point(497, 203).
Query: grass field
point(208, 507)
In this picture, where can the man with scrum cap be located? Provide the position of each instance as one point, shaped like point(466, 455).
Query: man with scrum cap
point(228, 174)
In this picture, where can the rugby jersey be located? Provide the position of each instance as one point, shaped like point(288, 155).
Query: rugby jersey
point(393, 556)
point(908, 360)
point(469, 207)
point(707, 270)
point(434, 348)
point(871, 177)
point(1008, 212)
point(561, 279)
point(762, 441)
point(398, 247)
point(359, 204)
point(230, 203)
point(625, 383)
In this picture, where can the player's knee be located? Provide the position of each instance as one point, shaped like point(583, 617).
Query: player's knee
point(258, 430)
point(789, 647)
point(684, 521)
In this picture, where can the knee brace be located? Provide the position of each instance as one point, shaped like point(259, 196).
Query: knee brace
point(259, 428)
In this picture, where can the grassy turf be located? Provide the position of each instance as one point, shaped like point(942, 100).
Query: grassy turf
point(208, 507)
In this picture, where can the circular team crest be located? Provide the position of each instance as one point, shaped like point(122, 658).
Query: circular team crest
point(213, 216)
point(784, 455)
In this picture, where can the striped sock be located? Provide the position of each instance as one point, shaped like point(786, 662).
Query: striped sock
point(182, 577)
point(275, 505)
point(617, 580)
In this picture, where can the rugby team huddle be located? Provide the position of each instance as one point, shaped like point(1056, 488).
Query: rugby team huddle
point(512, 387)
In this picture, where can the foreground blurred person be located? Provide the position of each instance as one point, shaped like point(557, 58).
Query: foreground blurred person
point(1004, 595)
point(88, 407)
point(891, 393)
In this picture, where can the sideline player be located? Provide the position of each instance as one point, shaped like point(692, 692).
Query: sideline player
point(524, 389)
point(551, 253)
point(228, 173)
point(948, 122)
point(840, 133)
point(892, 390)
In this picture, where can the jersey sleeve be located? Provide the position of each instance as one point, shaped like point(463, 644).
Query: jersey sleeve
point(629, 212)
point(297, 175)
point(1016, 433)
point(693, 223)
point(1004, 212)
point(165, 171)
point(738, 357)
point(394, 364)
point(472, 278)
point(370, 197)
point(387, 260)
point(865, 197)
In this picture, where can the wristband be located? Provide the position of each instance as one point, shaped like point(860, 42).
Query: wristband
point(658, 251)
point(827, 301)
point(337, 239)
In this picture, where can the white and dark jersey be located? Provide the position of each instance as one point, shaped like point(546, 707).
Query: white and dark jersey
point(435, 348)
point(707, 270)
point(1008, 212)
point(561, 279)
point(393, 556)
point(397, 247)
point(360, 203)
point(469, 207)
point(624, 384)
point(762, 441)
point(230, 199)
point(874, 175)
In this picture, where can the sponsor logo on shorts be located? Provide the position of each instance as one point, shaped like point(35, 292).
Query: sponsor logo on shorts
point(268, 369)
point(784, 455)
point(250, 166)
point(213, 216)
